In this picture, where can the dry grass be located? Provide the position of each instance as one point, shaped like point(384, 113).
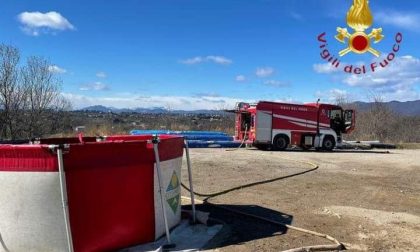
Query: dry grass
point(409, 146)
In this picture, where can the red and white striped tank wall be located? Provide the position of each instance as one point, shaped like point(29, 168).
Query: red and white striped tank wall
point(112, 192)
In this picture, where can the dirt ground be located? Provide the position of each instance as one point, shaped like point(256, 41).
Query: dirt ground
point(368, 200)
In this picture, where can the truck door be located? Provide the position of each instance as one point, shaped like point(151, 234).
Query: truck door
point(264, 126)
point(336, 121)
point(349, 120)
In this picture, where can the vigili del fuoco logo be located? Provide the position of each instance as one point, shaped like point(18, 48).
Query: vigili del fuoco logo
point(360, 39)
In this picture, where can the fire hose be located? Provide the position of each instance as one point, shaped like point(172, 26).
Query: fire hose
point(337, 246)
point(243, 140)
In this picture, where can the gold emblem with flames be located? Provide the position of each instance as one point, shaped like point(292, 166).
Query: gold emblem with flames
point(359, 18)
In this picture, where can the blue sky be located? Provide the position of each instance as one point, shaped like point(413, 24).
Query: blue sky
point(189, 54)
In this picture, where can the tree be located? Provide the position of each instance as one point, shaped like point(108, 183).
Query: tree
point(378, 122)
point(11, 96)
point(30, 97)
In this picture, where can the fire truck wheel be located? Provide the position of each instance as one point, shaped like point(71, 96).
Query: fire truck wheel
point(259, 146)
point(305, 147)
point(281, 142)
point(329, 143)
point(264, 147)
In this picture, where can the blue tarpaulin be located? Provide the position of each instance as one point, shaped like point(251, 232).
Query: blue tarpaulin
point(197, 139)
point(176, 132)
point(212, 144)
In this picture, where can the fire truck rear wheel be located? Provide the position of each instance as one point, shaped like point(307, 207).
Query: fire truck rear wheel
point(263, 147)
point(281, 142)
point(329, 143)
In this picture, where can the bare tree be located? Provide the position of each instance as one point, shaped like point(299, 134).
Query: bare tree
point(11, 97)
point(378, 122)
point(42, 91)
point(30, 98)
point(381, 119)
point(59, 116)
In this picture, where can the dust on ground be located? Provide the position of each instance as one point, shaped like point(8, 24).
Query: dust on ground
point(368, 200)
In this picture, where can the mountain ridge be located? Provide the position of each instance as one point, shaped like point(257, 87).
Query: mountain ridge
point(153, 110)
point(408, 108)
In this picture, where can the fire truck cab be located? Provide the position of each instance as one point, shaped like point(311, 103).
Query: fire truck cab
point(272, 125)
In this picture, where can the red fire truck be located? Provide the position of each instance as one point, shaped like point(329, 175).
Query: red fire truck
point(272, 125)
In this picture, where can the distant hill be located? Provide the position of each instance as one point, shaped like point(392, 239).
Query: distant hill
point(154, 110)
point(97, 108)
point(409, 108)
point(103, 109)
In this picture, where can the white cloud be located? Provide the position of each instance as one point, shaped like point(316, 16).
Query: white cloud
point(209, 94)
point(240, 78)
point(34, 23)
point(263, 72)
point(101, 75)
point(219, 60)
point(401, 20)
point(397, 81)
point(333, 95)
point(402, 73)
point(56, 69)
point(136, 101)
point(275, 83)
point(325, 68)
point(296, 16)
point(97, 86)
point(193, 61)
point(211, 58)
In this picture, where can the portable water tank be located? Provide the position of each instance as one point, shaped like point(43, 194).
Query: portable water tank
point(111, 187)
